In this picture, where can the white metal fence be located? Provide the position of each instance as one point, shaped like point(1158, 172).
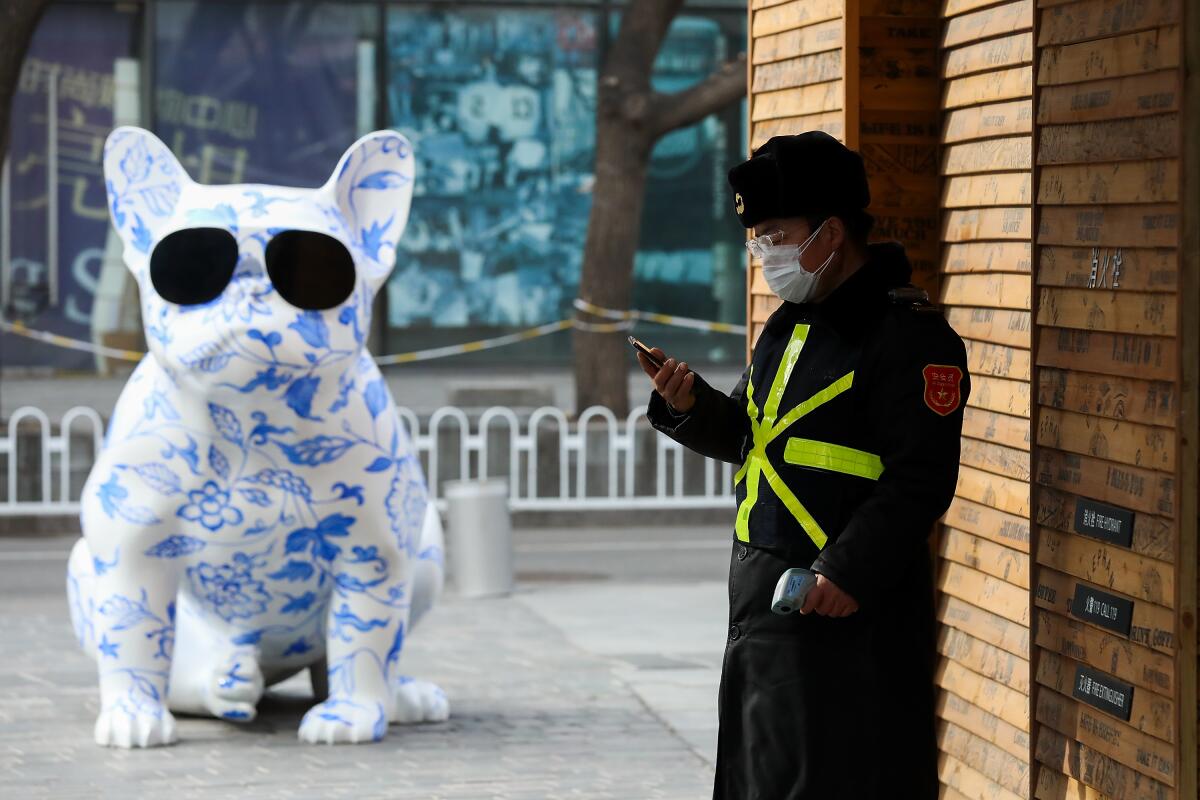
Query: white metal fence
point(53, 449)
point(551, 463)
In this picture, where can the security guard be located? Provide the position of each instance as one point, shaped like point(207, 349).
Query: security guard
point(845, 429)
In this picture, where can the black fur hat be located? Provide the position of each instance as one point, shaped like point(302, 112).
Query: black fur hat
point(795, 176)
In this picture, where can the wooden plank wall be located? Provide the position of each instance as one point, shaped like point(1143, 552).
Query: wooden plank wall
point(1108, 152)
point(1068, 115)
point(984, 568)
point(797, 70)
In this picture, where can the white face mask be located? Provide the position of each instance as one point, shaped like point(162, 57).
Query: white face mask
point(782, 270)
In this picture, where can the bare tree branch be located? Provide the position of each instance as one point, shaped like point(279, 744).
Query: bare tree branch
point(691, 105)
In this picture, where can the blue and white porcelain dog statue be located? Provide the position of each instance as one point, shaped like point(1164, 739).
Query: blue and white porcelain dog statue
point(258, 508)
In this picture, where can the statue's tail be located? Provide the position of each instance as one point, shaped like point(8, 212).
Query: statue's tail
point(430, 574)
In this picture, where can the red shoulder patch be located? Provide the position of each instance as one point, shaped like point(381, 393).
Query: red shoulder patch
point(942, 393)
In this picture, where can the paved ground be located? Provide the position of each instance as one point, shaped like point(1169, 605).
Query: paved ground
point(596, 679)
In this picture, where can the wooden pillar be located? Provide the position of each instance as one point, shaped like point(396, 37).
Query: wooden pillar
point(864, 71)
point(1188, 549)
point(895, 103)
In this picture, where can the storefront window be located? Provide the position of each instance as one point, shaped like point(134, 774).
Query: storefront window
point(501, 107)
point(690, 259)
point(53, 211)
point(499, 100)
point(263, 92)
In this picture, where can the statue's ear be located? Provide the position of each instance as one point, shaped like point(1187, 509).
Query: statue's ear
point(144, 181)
point(373, 186)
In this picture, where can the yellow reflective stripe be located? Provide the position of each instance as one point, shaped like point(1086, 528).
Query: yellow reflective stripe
point(797, 508)
point(766, 430)
point(784, 373)
point(751, 408)
point(811, 404)
point(833, 457)
point(742, 526)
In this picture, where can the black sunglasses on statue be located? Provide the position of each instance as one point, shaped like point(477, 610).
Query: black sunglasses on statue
point(311, 271)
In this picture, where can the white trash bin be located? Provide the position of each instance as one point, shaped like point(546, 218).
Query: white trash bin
point(480, 550)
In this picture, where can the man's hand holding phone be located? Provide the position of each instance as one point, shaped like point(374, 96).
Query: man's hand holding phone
point(673, 381)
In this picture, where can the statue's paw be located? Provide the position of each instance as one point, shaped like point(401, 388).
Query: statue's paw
point(235, 689)
point(232, 711)
point(119, 727)
point(341, 721)
point(419, 701)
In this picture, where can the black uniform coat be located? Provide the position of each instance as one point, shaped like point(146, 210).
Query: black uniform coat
point(814, 708)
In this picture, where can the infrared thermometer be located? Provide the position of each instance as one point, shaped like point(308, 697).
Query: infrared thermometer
point(792, 589)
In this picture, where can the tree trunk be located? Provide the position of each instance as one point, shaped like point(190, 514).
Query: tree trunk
point(18, 20)
point(602, 360)
point(623, 142)
point(630, 118)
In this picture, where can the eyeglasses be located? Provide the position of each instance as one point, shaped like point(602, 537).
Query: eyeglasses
point(311, 271)
point(758, 245)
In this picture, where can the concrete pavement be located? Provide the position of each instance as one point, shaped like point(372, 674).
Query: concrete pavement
point(596, 679)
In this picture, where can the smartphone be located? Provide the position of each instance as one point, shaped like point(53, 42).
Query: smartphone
point(644, 350)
